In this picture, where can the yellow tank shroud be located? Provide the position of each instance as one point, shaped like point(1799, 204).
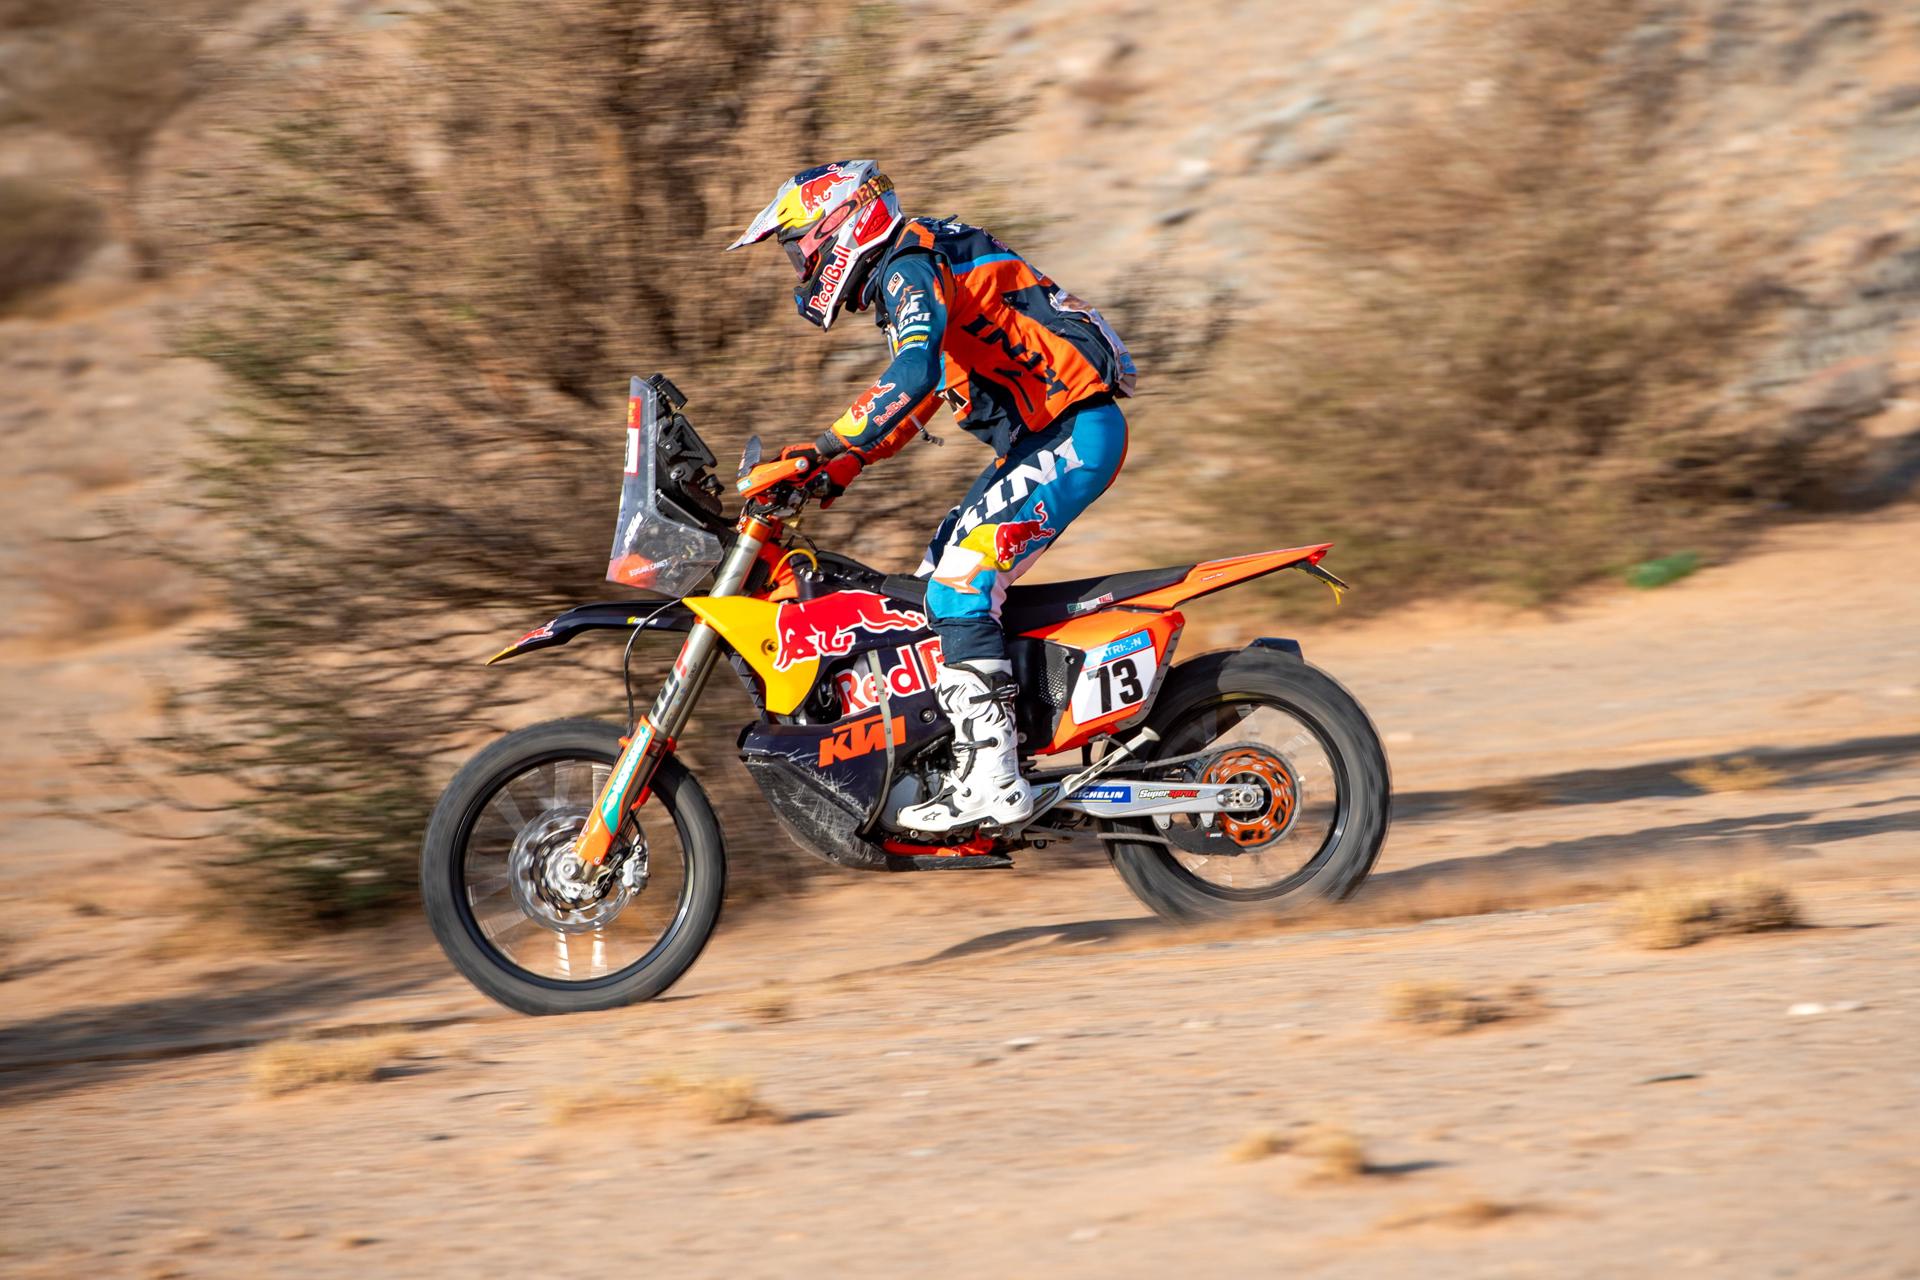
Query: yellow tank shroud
point(752, 628)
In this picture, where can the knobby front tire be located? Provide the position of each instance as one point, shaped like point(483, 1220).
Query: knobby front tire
point(572, 753)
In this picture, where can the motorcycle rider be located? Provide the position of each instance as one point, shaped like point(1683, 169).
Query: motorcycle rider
point(1027, 367)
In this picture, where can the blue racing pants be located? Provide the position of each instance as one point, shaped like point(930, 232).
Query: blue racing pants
point(1012, 514)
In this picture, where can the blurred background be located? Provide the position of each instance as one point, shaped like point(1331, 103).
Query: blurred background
point(1589, 333)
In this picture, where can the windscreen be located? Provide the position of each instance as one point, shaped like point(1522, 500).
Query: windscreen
point(657, 547)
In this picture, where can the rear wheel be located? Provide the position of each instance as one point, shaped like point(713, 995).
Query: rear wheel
point(517, 914)
point(1264, 719)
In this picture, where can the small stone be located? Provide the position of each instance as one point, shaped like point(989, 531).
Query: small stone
point(1022, 1042)
point(1080, 1235)
point(1806, 1009)
point(1196, 1024)
point(921, 1153)
point(723, 1026)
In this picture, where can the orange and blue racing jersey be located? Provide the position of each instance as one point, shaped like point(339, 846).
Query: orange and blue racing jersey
point(972, 322)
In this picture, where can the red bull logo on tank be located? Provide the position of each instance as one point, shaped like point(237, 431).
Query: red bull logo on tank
point(831, 625)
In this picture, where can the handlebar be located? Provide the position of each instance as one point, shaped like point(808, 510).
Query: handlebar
point(782, 486)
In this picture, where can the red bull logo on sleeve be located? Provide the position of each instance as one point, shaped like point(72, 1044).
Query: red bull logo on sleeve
point(830, 625)
point(860, 408)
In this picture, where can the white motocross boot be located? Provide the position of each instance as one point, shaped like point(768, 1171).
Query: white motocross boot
point(985, 785)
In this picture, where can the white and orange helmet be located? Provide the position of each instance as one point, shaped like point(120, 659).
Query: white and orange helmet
point(833, 221)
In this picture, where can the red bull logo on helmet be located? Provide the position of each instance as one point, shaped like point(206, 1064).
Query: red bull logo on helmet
point(815, 192)
point(831, 625)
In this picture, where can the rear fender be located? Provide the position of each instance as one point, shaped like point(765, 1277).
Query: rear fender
point(1217, 575)
point(1274, 644)
point(611, 615)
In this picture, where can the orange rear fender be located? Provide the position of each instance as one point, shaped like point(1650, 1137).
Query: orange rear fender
point(1216, 575)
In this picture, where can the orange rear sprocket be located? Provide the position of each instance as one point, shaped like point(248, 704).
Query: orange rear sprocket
point(1257, 765)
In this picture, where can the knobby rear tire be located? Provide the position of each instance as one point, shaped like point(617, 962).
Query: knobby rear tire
point(676, 794)
point(1150, 869)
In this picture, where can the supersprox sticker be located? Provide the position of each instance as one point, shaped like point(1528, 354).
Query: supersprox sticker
point(1118, 648)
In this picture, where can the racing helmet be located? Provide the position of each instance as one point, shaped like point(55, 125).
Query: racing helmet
point(834, 221)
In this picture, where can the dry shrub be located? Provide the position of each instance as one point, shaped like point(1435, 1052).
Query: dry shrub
point(1449, 1008)
point(1742, 773)
point(290, 1065)
point(1258, 1145)
point(1664, 916)
point(45, 233)
point(1474, 1211)
point(443, 255)
point(709, 1099)
point(1337, 1153)
point(1501, 367)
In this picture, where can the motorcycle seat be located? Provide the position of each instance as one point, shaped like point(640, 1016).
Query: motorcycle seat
point(1042, 604)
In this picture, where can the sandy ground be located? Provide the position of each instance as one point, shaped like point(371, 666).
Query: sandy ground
point(1019, 1072)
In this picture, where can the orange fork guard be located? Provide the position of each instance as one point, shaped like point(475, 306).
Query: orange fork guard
point(1215, 575)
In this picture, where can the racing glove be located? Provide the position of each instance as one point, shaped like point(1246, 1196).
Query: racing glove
point(828, 476)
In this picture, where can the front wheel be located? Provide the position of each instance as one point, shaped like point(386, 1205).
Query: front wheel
point(1263, 719)
point(522, 920)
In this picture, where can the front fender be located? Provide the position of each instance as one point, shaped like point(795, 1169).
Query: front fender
point(608, 615)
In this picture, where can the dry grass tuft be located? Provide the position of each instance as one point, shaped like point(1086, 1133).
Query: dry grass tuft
point(1661, 917)
point(712, 1100)
point(1511, 797)
point(1743, 773)
point(290, 1065)
point(1475, 1211)
point(729, 1100)
point(1448, 1008)
point(771, 1003)
point(1258, 1145)
point(1337, 1153)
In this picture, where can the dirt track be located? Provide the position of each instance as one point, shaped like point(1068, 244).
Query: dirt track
point(1017, 1072)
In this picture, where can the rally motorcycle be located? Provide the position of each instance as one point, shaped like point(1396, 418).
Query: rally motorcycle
point(573, 866)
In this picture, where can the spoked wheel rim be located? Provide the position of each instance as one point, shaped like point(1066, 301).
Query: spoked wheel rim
point(1249, 740)
point(538, 912)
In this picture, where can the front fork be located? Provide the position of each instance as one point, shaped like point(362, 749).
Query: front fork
point(632, 778)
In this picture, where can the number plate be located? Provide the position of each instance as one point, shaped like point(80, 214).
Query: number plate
point(1116, 677)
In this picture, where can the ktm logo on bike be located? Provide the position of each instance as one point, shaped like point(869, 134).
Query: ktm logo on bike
point(851, 741)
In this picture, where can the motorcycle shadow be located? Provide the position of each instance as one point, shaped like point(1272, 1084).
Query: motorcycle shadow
point(1070, 933)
